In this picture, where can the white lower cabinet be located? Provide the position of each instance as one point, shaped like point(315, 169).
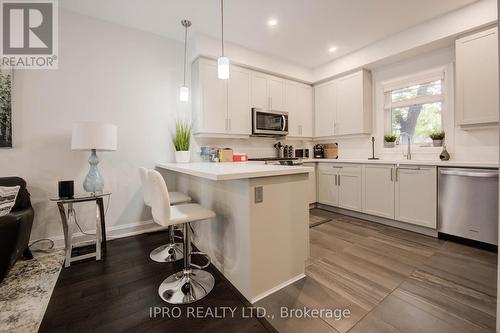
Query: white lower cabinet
point(313, 197)
point(416, 195)
point(350, 186)
point(378, 190)
point(405, 193)
point(340, 186)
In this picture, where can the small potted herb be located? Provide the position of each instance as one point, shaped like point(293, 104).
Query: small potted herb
point(390, 140)
point(437, 138)
point(181, 141)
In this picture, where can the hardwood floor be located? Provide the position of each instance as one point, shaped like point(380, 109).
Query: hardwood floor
point(116, 295)
point(390, 280)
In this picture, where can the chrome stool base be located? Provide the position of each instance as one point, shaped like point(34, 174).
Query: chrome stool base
point(167, 253)
point(186, 287)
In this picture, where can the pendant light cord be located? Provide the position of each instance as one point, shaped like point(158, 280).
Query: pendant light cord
point(222, 25)
point(185, 53)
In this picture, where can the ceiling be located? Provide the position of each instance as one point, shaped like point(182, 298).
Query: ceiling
point(305, 29)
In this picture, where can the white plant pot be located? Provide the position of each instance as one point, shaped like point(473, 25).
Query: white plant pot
point(182, 156)
point(437, 143)
point(389, 144)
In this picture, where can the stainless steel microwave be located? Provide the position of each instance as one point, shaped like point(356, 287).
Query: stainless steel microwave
point(269, 122)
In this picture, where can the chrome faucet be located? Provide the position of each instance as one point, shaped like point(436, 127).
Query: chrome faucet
point(408, 154)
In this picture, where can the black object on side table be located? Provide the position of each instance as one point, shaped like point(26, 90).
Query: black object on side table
point(68, 220)
point(15, 227)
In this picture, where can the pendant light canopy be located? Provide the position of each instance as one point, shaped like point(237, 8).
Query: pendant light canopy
point(184, 91)
point(222, 62)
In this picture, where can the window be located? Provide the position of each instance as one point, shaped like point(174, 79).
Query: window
point(415, 108)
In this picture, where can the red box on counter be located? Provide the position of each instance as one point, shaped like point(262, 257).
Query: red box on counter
point(240, 157)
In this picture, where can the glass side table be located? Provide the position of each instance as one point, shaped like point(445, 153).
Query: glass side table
point(68, 219)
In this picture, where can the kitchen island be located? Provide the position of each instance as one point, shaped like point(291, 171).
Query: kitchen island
point(259, 239)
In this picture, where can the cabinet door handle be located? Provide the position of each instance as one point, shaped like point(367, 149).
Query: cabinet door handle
point(339, 180)
point(396, 173)
point(226, 124)
point(229, 122)
point(335, 180)
point(392, 170)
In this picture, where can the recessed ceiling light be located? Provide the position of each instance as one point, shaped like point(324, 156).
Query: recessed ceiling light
point(332, 49)
point(272, 22)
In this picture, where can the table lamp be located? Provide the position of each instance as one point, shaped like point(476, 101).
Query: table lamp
point(93, 136)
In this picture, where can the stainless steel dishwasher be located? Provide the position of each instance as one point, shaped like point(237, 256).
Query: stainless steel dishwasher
point(468, 203)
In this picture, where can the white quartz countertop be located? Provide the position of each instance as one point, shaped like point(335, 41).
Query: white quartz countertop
point(233, 170)
point(450, 163)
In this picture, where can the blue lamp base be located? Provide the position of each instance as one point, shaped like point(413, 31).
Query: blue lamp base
point(93, 182)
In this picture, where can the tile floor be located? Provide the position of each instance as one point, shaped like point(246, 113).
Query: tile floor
point(391, 280)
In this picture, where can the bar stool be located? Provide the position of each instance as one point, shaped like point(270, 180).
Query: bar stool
point(171, 251)
point(188, 285)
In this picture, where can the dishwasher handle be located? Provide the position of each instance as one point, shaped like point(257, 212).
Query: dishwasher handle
point(489, 174)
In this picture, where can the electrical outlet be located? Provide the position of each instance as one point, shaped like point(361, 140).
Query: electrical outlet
point(259, 194)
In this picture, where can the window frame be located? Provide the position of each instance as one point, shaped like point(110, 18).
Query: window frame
point(444, 73)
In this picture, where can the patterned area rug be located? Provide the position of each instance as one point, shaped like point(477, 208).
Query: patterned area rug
point(26, 291)
point(315, 220)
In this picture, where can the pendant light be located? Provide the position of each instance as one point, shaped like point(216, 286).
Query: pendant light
point(222, 62)
point(184, 91)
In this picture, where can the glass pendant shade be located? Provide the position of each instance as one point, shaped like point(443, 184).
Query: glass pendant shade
point(184, 94)
point(223, 68)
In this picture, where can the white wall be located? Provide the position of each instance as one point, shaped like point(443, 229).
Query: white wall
point(106, 73)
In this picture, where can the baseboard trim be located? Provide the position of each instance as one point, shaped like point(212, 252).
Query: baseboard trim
point(278, 287)
point(114, 232)
point(381, 220)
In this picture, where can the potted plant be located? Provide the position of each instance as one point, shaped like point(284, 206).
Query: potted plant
point(181, 141)
point(437, 138)
point(390, 140)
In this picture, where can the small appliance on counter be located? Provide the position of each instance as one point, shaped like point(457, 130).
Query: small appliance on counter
point(302, 153)
point(280, 149)
point(319, 151)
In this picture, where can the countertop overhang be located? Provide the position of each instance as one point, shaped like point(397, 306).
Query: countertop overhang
point(451, 163)
point(234, 170)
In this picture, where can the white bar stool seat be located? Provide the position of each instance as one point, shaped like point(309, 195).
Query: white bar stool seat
point(171, 251)
point(188, 285)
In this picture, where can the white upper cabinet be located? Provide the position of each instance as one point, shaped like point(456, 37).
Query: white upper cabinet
point(325, 108)
point(276, 93)
point(221, 107)
point(354, 104)
point(268, 92)
point(260, 95)
point(239, 101)
point(209, 98)
point(477, 78)
point(344, 106)
point(298, 104)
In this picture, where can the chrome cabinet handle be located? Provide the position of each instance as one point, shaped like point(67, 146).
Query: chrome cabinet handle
point(392, 170)
point(470, 174)
point(416, 168)
point(229, 121)
point(335, 181)
point(339, 180)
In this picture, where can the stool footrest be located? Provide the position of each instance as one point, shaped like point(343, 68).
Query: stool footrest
point(206, 256)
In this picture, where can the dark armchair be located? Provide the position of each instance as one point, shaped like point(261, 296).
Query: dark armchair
point(15, 227)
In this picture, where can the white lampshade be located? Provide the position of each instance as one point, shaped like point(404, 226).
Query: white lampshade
point(184, 94)
point(223, 68)
point(93, 135)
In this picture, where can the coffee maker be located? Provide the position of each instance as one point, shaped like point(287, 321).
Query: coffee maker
point(319, 151)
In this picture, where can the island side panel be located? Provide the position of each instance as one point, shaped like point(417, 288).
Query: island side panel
point(280, 232)
point(226, 239)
